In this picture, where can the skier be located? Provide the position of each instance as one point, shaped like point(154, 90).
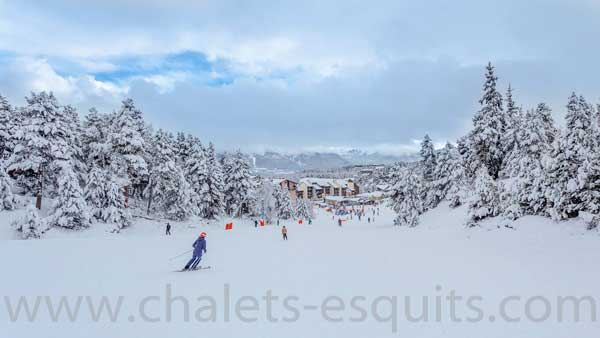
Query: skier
point(309, 221)
point(284, 233)
point(369, 220)
point(199, 248)
point(256, 223)
point(339, 222)
point(168, 229)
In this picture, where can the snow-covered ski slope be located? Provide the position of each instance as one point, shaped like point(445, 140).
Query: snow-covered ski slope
point(359, 263)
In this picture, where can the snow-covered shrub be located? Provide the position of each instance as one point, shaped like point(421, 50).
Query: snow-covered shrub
point(31, 226)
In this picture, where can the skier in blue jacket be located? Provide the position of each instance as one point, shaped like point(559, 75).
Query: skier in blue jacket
point(199, 249)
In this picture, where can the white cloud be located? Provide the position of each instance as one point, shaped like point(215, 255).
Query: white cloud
point(36, 74)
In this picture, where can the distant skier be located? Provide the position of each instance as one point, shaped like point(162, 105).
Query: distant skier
point(369, 220)
point(168, 229)
point(284, 233)
point(256, 223)
point(199, 249)
point(339, 222)
point(309, 221)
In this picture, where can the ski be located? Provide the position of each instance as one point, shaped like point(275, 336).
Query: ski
point(196, 269)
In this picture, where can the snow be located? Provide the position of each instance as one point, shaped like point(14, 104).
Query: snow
point(537, 257)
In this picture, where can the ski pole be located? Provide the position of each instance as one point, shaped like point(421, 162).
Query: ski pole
point(187, 252)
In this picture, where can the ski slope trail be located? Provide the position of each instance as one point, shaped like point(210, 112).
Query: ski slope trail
point(366, 264)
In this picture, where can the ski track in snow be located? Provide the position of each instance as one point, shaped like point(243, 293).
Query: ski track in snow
point(539, 257)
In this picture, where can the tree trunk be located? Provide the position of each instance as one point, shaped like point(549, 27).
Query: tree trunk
point(150, 199)
point(126, 193)
point(38, 200)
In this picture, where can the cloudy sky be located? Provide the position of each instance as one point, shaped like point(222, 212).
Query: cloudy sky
point(295, 75)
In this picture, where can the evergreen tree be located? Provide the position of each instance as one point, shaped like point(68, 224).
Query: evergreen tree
point(70, 209)
point(7, 128)
point(567, 175)
point(283, 203)
point(115, 211)
point(239, 185)
point(486, 201)
point(489, 125)
point(95, 143)
point(514, 127)
point(44, 141)
point(212, 200)
point(444, 175)
point(128, 140)
point(7, 199)
point(406, 199)
point(96, 192)
point(428, 159)
point(266, 205)
point(303, 209)
point(193, 159)
point(525, 193)
point(168, 191)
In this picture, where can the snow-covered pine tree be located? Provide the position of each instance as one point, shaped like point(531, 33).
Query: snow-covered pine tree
point(444, 175)
point(70, 209)
point(95, 130)
point(266, 203)
point(192, 158)
point(7, 128)
point(469, 161)
point(76, 156)
point(428, 159)
point(589, 173)
point(239, 184)
point(304, 209)
point(168, 191)
point(283, 203)
point(524, 194)
point(31, 226)
point(95, 191)
point(7, 199)
point(212, 200)
point(185, 146)
point(115, 211)
point(511, 136)
point(44, 140)
point(406, 199)
point(567, 175)
point(489, 125)
point(128, 140)
point(485, 202)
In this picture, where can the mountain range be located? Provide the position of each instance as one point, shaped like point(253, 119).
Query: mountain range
point(275, 162)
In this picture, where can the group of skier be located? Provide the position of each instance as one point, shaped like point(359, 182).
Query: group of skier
point(200, 248)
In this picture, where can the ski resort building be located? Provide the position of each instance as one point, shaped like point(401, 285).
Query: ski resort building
point(318, 188)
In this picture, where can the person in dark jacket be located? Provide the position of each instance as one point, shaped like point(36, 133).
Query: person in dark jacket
point(168, 229)
point(199, 249)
